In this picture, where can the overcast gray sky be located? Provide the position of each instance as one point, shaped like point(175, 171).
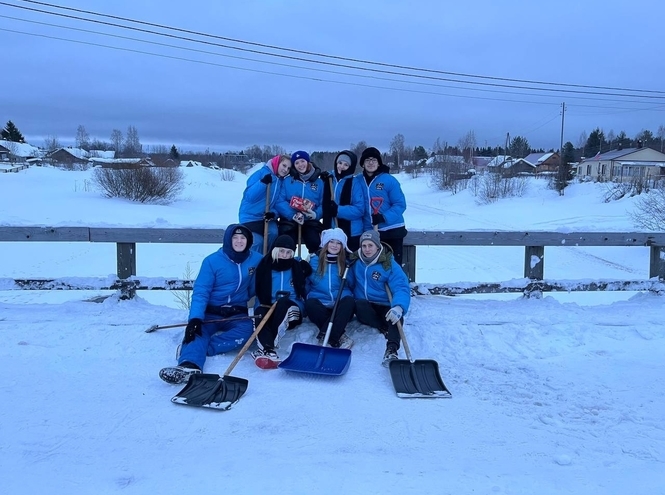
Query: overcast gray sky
point(204, 94)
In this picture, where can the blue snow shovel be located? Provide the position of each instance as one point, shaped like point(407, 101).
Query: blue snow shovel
point(319, 359)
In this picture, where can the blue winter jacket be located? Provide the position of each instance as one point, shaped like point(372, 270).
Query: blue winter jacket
point(383, 195)
point(221, 281)
point(370, 280)
point(311, 189)
point(253, 203)
point(326, 287)
point(355, 211)
point(281, 281)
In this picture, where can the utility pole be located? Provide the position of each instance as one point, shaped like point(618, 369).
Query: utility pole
point(562, 165)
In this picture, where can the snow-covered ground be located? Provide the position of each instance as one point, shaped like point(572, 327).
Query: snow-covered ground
point(553, 395)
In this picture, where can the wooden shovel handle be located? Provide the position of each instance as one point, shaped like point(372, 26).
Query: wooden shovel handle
point(249, 342)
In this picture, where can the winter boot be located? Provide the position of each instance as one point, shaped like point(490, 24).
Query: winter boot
point(390, 355)
point(178, 374)
point(345, 342)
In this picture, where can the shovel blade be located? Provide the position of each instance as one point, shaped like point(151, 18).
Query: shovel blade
point(418, 379)
point(211, 391)
point(308, 358)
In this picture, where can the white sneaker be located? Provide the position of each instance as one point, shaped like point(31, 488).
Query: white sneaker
point(345, 342)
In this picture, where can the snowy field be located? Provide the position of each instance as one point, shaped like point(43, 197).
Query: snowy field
point(550, 396)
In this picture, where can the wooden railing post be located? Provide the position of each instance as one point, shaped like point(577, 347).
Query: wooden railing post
point(409, 262)
point(657, 262)
point(126, 255)
point(534, 261)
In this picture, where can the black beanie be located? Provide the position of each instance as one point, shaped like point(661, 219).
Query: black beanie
point(285, 241)
point(370, 152)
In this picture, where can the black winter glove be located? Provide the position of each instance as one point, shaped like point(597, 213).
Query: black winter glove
point(266, 179)
point(378, 218)
point(193, 329)
point(325, 175)
point(268, 215)
point(333, 209)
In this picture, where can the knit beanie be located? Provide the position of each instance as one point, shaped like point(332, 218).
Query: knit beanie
point(336, 234)
point(285, 241)
point(371, 235)
point(299, 154)
point(227, 246)
point(343, 157)
point(370, 152)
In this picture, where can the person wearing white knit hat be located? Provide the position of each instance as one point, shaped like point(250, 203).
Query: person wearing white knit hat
point(324, 284)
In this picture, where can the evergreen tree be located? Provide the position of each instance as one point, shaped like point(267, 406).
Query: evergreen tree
point(596, 142)
point(519, 147)
point(174, 154)
point(419, 153)
point(11, 133)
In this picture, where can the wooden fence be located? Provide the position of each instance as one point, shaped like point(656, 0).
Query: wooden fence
point(534, 243)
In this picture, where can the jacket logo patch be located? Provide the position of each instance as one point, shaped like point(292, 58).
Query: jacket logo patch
point(314, 186)
point(376, 276)
point(251, 270)
point(380, 186)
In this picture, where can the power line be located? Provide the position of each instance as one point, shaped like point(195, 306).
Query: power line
point(335, 57)
point(301, 59)
point(206, 52)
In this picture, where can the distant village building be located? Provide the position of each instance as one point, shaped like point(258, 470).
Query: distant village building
point(11, 151)
point(624, 165)
point(121, 163)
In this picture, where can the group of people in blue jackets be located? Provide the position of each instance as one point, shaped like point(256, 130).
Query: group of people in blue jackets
point(352, 226)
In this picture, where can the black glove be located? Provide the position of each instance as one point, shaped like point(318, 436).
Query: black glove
point(193, 329)
point(268, 215)
point(378, 218)
point(333, 209)
point(325, 175)
point(266, 179)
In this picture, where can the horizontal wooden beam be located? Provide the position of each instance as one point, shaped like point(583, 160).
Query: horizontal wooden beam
point(414, 237)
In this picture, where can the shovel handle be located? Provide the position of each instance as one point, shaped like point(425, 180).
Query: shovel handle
point(163, 327)
point(265, 222)
point(399, 327)
point(250, 340)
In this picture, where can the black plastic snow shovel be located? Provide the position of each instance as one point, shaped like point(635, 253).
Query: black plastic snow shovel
point(319, 359)
point(214, 391)
point(415, 379)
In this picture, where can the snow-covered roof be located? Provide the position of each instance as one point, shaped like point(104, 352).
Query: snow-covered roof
point(20, 149)
point(116, 160)
point(537, 158)
point(190, 163)
point(75, 152)
point(445, 159)
point(499, 160)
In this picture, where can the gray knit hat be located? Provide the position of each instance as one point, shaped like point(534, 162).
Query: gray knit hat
point(371, 235)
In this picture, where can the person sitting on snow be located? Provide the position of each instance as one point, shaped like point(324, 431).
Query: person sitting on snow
point(222, 289)
point(280, 279)
point(373, 271)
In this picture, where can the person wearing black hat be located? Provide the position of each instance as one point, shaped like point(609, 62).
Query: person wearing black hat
point(223, 287)
point(374, 272)
point(279, 278)
point(385, 203)
point(343, 205)
point(300, 203)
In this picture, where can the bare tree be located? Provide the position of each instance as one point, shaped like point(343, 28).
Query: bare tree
point(116, 140)
point(468, 145)
point(649, 211)
point(397, 149)
point(611, 137)
point(358, 148)
point(438, 148)
point(581, 142)
point(661, 135)
point(51, 143)
point(132, 145)
point(82, 138)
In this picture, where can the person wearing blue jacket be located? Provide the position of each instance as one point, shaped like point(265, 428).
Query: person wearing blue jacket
point(323, 286)
point(373, 271)
point(222, 289)
point(252, 212)
point(344, 204)
point(385, 203)
point(300, 202)
point(280, 280)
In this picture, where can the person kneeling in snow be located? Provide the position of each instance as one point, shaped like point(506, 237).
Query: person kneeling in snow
point(280, 278)
point(374, 272)
point(223, 287)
